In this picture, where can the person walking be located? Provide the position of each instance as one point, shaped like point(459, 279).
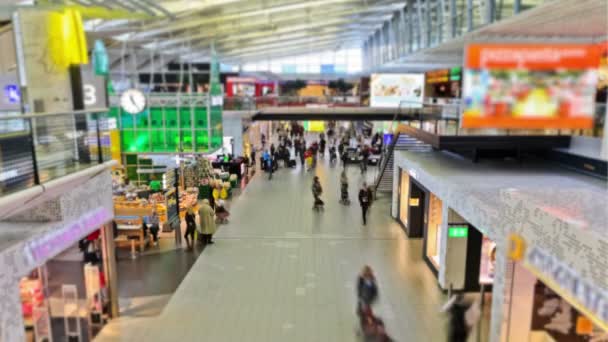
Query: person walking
point(365, 201)
point(322, 144)
point(190, 227)
point(344, 198)
point(207, 227)
point(367, 288)
point(462, 317)
point(317, 190)
point(252, 160)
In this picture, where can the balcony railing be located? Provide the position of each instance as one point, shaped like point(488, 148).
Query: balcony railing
point(37, 148)
point(444, 119)
point(253, 103)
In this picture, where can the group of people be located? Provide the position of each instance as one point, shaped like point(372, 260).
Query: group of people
point(365, 195)
point(206, 226)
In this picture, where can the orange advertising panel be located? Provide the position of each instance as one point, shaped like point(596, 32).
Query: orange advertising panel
point(530, 86)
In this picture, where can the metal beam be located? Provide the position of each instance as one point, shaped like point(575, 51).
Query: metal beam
point(291, 51)
point(209, 27)
point(242, 13)
point(280, 45)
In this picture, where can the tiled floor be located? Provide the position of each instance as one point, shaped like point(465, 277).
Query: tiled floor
point(281, 272)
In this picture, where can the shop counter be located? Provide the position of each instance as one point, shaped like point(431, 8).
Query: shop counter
point(130, 228)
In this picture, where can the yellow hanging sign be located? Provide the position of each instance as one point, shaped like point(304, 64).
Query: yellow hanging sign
point(67, 40)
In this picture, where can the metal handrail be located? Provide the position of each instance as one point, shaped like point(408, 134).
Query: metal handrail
point(48, 114)
point(51, 145)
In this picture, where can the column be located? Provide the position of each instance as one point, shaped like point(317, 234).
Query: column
point(604, 151)
point(11, 317)
point(108, 256)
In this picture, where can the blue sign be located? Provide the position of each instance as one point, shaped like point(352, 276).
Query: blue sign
point(12, 93)
point(327, 69)
point(388, 139)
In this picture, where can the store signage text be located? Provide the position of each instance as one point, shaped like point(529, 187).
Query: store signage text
point(593, 299)
point(458, 231)
point(43, 249)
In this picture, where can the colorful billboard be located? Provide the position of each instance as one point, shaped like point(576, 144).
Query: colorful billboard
point(530, 86)
point(395, 90)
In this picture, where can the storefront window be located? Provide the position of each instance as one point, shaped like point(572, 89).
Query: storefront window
point(488, 259)
point(538, 313)
point(434, 230)
point(404, 195)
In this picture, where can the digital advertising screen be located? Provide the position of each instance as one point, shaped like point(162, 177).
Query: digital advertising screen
point(530, 86)
point(393, 90)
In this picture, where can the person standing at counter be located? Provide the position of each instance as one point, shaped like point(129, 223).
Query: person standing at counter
point(207, 227)
point(154, 226)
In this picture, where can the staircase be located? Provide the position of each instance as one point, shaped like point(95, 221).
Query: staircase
point(403, 142)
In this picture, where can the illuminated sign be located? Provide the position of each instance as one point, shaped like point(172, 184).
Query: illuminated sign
point(12, 93)
point(530, 86)
point(437, 76)
point(397, 90)
point(443, 76)
point(458, 231)
point(61, 239)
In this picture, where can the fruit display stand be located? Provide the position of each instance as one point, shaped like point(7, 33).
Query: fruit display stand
point(188, 199)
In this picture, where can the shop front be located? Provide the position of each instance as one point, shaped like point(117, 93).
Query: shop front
point(555, 287)
point(548, 300)
point(443, 86)
point(411, 205)
point(59, 270)
point(67, 297)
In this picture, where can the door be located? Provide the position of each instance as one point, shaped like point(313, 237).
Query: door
point(417, 202)
point(404, 192)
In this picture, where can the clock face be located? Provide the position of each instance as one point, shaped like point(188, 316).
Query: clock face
point(133, 101)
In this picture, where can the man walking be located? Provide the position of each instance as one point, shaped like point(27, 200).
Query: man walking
point(365, 199)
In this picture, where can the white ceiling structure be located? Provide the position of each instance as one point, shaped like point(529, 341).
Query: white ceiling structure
point(241, 30)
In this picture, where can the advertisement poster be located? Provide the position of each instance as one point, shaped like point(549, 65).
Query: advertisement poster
point(530, 86)
point(395, 90)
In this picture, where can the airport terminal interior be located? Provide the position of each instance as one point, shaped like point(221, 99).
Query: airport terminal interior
point(304, 170)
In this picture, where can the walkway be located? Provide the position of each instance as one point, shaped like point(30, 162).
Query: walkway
point(281, 272)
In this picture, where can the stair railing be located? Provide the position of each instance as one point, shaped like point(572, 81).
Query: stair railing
point(389, 151)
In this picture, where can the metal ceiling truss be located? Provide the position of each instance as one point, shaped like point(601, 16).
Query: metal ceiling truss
point(443, 26)
point(244, 29)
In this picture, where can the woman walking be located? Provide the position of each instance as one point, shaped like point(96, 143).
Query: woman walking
point(190, 227)
point(206, 216)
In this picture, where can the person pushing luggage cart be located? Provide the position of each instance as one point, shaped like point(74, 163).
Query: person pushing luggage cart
point(317, 190)
point(344, 198)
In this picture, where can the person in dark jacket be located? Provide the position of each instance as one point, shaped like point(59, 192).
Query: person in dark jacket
point(322, 144)
point(317, 190)
point(367, 289)
point(190, 227)
point(365, 200)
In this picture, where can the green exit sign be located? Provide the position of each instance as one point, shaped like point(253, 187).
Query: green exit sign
point(458, 231)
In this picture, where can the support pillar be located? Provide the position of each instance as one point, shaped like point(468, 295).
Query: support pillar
point(469, 16)
point(108, 255)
